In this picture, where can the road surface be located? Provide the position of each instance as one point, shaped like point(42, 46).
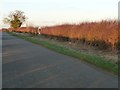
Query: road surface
point(27, 65)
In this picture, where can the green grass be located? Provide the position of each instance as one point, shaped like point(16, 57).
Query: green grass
point(95, 60)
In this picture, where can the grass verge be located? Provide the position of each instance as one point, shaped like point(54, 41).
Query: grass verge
point(96, 60)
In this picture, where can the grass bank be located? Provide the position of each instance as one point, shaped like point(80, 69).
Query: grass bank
point(96, 60)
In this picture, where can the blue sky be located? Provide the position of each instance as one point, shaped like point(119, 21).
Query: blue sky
point(50, 12)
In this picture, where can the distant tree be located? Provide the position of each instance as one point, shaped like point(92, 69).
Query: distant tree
point(15, 19)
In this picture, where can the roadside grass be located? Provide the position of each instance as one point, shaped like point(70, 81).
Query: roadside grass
point(95, 60)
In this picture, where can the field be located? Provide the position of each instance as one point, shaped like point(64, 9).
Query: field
point(103, 34)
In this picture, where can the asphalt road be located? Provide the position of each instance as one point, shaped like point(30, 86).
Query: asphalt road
point(26, 65)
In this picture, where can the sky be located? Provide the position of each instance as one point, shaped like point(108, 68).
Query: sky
point(52, 12)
